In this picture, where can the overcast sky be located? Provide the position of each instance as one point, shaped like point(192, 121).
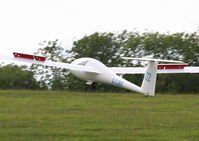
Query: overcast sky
point(25, 23)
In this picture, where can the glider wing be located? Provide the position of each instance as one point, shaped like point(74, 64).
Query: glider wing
point(162, 69)
point(33, 59)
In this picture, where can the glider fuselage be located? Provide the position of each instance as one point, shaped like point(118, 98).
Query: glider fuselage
point(104, 76)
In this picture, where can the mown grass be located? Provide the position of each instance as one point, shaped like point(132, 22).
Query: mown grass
point(78, 116)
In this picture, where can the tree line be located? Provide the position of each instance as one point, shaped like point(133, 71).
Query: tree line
point(109, 48)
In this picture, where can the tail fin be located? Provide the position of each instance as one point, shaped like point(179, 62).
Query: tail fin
point(149, 81)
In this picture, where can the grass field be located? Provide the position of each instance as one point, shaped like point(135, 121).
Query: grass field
point(78, 116)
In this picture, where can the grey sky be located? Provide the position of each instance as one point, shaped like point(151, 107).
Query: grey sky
point(25, 23)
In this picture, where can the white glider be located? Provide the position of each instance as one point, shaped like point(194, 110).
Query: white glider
point(92, 70)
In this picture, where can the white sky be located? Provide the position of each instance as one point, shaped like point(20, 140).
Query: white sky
point(25, 23)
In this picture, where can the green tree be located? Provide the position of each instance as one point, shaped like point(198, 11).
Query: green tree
point(101, 46)
point(15, 77)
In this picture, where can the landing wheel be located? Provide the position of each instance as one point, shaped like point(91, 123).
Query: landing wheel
point(93, 86)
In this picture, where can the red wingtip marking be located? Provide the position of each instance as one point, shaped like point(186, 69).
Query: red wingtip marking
point(27, 56)
point(171, 66)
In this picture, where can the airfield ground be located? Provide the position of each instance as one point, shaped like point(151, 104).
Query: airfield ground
point(78, 116)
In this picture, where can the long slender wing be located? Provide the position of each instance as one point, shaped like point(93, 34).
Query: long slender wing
point(128, 70)
point(31, 59)
point(162, 69)
point(152, 59)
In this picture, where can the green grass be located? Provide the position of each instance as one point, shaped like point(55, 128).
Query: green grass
point(78, 116)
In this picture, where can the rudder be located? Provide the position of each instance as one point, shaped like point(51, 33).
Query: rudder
point(149, 80)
